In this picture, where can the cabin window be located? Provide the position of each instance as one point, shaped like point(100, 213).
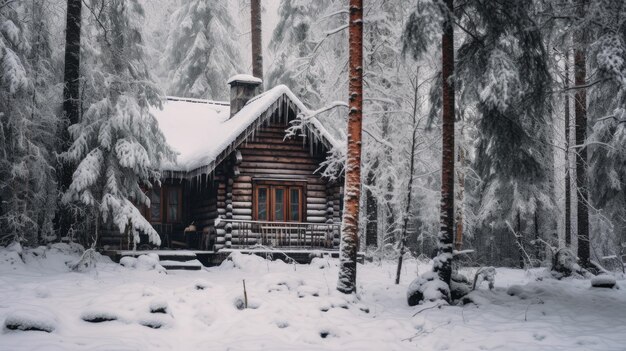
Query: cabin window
point(173, 204)
point(166, 204)
point(262, 203)
point(279, 203)
point(295, 203)
point(155, 205)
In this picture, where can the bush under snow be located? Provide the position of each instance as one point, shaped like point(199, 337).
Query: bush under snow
point(31, 320)
point(428, 287)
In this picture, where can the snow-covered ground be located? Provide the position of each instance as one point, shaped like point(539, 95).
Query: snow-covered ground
point(291, 307)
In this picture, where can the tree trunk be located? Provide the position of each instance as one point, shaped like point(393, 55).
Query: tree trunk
point(71, 105)
point(407, 210)
point(257, 44)
point(371, 208)
point(580, 110)
point(443, 266)
point(350, 224)
point(389, 230)
point(568, 195)
point(460, 193)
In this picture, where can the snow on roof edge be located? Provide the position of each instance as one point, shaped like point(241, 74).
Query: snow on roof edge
point(244, 78)
point(243, 119)
point(200, 101)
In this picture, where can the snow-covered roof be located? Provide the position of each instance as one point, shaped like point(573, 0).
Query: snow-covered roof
point(202, 133)
point(245, 78)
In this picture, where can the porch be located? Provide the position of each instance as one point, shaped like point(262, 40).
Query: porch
point(282, 235)
point(247, 234)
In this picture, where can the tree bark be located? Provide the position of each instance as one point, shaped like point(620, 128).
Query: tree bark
point(568, 195)
point(580, 110)
point(371, 208)
point(388, 207)
point(350, 224)
point(71, 105)
point(460, 193)
point(257, 44)
point(443, 266)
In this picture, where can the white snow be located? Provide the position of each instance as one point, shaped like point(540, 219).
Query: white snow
point(603, 280)
point(199, 130)
point(246, 78)
point(30, 319)
point(285, 314)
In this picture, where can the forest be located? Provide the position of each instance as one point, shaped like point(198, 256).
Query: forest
point(476, 137)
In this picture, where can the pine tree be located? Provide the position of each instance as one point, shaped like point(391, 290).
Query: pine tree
point(602, 22)
point(27, 122)
point(201, 51)
point(117, 144)
point(309, 55)
point(500, 58)
point(513, 158)
point(352, 193)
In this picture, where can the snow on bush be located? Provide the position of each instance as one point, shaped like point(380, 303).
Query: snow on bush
point(604, 281)
point(158, 306)
point(485, 274)
point(428, 287)
point(525, 292)
point(459, 286)
point(128, 261)
point(565, 264)
point(11, 255)
point(202, 284)
point(149, 262)
point(156, 321)
point(98, 316)
point(249, 262)
point(38, 319)
point(240, 303)
point(306, 290)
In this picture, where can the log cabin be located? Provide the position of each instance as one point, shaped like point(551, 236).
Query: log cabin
point(238, 181)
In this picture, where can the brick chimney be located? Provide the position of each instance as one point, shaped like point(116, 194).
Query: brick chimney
point(243, 87)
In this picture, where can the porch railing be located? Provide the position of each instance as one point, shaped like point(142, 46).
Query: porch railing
point(283, 234)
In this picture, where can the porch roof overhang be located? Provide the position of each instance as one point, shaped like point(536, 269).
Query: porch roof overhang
point(203, 135)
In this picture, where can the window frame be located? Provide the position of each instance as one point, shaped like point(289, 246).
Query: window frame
point(163, 192)
point(271, 186)
point(165, 204)
point(256, 202)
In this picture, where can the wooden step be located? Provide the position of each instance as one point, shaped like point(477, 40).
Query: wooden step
point(193, 265)
point(164, 255)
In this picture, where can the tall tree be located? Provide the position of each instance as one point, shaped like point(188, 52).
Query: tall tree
point(580, 110)
point(405, 223)
point(500, 58)
point(257, 44)
point(28, 89)
point(118, 145)
point(568, 190)
point(71, 104)
point(201, 50)
point(352, 193)
point(443, 264)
